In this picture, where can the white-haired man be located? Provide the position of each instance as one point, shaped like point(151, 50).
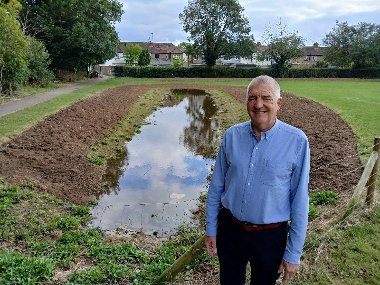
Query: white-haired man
point(257, 203)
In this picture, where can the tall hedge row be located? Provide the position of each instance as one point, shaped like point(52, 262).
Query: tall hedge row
point(226, 72)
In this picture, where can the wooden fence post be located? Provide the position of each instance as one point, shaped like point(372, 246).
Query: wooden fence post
point(372, 179)
point(170, 273)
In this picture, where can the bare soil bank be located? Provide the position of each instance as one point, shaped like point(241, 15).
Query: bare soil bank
point(52, 153)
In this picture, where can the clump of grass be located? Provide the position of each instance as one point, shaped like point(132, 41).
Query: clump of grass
point(324, 198)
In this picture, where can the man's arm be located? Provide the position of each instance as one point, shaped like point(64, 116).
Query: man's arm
point(299, 205)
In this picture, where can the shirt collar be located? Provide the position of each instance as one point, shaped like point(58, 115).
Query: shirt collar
point(268, 134)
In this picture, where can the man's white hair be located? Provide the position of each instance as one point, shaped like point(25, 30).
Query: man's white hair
point(264, 80)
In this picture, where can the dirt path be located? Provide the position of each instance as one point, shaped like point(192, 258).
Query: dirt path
point(52, 153)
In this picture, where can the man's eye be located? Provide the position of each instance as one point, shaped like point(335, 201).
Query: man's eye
point(252, 98)
point(267, 99)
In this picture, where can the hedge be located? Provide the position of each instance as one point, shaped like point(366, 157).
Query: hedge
point(228, 72)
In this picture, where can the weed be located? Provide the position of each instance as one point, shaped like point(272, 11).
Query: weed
point(17, 268)
point(65, 223)
point(80, 210)
point(313, 212)
point(324, 198)
point(97, 160)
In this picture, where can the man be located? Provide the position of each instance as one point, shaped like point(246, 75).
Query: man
point(260, 182)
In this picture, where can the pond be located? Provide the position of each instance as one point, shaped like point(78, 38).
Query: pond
point(156, 183)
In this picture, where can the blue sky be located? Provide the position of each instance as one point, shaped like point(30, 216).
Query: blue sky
point(144, 19)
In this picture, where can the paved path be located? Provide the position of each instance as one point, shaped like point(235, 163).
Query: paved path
point(29, 101)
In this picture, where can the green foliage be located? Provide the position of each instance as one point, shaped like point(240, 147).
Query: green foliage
point(177, 62)
point(144, 58)
point(355, 46)
point(80, 210)
point(226, 31)
point(313, 212)
point(226, 72)
point(65, 223)
point(324, 198)
point(282, 47)
point(38, 63)
point(132, 53)
point(17, 268)
point(74, 40)
point(13, 49)
point(97, 160)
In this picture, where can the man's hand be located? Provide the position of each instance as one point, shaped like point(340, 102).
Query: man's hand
point(288, 269)
point(211, 246)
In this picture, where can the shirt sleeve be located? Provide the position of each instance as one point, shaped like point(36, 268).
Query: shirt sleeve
point(216, 188)
point(299, 205)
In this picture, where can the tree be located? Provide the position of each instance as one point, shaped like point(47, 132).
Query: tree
point(217, 27)
point(144, 58)
point(74, 40)
point(188, 49)
point(132, 53)
point(282, 47)
point(13, 48)
point(38, 63)
point(353, 46)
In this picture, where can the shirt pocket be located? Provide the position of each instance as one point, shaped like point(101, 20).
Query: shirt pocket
point(276, 172)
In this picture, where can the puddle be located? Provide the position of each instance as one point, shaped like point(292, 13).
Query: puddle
point(157, 181)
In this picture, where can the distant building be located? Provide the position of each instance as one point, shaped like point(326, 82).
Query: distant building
point(162, 54)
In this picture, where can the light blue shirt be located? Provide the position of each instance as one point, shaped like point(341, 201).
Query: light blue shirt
point(263, 182)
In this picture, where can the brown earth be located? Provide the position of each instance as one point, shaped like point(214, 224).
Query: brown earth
point(52, 153)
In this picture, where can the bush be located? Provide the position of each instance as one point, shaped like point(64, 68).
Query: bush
point(227, 72)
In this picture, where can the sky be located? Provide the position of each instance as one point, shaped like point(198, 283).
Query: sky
point(158, 20)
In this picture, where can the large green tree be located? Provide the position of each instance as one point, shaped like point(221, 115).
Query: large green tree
point(217, 28)
point(13, 48)
point(353, 46)
point(283, 46)
point(77, 33)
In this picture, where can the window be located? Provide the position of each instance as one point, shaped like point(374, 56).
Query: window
point(156, 55)
point(195, 57)
point(176, 56)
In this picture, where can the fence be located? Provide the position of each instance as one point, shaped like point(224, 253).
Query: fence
point(367, 182)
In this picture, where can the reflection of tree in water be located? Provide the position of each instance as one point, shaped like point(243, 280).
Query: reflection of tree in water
point(115, 169)
point(200, 137)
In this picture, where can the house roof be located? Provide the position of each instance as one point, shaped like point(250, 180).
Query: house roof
point(153, 48)
point(313, 50)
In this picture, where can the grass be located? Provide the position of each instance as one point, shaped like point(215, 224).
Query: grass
point(357, 101)
point(42, 236)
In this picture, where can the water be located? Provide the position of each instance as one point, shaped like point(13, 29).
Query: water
point(157, 181)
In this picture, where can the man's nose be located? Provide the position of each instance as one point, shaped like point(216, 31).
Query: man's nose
point(258, 103)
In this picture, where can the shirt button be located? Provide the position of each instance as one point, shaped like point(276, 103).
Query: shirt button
point(251, 164)
point(249, 183)
point(256, 148)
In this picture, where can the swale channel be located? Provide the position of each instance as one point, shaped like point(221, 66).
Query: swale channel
point(163, 170)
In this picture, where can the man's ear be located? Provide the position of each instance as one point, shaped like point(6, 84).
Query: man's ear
point(279, 102)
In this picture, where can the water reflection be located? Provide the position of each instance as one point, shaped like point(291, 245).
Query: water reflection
point(155, 186)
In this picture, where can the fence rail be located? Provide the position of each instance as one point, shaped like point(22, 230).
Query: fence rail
point(366, 182)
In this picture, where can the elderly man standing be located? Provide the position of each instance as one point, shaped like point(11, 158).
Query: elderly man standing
point(259, 185)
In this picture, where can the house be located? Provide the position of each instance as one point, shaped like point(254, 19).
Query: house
point(312, 55)
point(162, 54)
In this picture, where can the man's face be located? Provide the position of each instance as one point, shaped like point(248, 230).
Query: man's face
point(262, 107)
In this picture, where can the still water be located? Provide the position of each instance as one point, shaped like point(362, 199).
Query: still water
point(156, 182)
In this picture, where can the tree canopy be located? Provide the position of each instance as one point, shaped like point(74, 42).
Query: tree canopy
point(217, 27)
point(76, 33)
point(132, 53)
point(283, 46)
point(353, 46)
point(13, 48)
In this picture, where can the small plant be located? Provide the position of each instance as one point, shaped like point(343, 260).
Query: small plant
point(65, 223)
point(97, 160)
point(324, 198)
point(313, 212)
point(80, 210)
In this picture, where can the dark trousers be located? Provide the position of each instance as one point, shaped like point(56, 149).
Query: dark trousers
point(236, 247)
